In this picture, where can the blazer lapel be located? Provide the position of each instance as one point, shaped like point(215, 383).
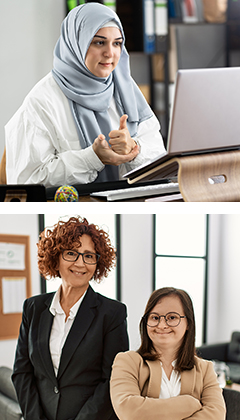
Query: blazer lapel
point(155, 376)
point(81, 325)
point(45, 325)
point(188, 379)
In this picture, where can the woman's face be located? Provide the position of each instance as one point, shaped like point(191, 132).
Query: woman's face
point(104, 52)
point(78, 274)
point(164, 337)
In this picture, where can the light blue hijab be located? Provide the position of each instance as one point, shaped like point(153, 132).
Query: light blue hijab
point(89, 96)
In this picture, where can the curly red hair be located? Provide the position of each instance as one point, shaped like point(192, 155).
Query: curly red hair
point(66, 235)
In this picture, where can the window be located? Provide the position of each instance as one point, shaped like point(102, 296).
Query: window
point(180, 259)
point(107, 222)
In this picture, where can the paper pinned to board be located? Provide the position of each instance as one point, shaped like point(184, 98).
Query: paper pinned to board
point(13, 294)
point(12, 256)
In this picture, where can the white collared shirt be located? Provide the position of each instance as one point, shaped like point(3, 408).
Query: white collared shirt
point(60, 327)
point(170, 387)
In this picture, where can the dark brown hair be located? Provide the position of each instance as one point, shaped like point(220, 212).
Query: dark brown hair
point(66, 235)
point(187, 351)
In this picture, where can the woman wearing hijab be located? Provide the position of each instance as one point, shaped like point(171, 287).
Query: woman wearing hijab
point(87, 120)
point(164, 379)
point(68, 339)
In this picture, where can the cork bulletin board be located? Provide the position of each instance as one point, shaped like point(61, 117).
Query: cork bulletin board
point(15, 282)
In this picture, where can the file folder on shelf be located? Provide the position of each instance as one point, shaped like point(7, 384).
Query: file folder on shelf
point(175, 10)
point(161, 25)
point(148, 26)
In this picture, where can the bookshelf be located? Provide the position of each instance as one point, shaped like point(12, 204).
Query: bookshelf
point(149, 56)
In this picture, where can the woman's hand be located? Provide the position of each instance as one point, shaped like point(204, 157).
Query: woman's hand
point(108, 156)
point(120, 140)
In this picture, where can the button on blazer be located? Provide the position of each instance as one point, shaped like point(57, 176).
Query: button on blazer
point(81, 389)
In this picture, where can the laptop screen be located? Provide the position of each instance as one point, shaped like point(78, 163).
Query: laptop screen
point(205, 114)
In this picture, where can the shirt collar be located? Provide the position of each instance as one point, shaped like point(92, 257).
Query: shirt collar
point(56, 308)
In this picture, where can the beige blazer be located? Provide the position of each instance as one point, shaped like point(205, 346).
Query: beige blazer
point(135, 387)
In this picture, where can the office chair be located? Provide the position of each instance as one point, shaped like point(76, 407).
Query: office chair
point(228, 352)
point(232, 400)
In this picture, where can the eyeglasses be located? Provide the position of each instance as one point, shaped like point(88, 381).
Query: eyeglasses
point(172, 319)
point(88, 257)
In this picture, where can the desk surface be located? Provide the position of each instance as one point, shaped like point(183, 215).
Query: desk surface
point(235, 387)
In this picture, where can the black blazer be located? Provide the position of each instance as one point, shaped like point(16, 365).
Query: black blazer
point(81, 389)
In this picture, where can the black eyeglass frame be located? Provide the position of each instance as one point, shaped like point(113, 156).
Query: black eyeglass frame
point(163, 316)
point(82, 254)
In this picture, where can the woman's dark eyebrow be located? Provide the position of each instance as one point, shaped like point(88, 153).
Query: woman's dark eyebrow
point(103, 37)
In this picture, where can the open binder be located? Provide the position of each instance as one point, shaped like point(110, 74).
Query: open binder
point(204, 137)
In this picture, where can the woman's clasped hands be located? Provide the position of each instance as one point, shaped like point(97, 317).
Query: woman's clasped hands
point(121, 148)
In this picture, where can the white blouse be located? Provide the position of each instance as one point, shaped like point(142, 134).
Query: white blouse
point(42, 144)
point(170, 387)
point(60, 327)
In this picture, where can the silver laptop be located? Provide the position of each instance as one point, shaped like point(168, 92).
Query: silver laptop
point(205, 115)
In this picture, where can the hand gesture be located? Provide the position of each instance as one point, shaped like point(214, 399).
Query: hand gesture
point(108, 156)
point(120, 139)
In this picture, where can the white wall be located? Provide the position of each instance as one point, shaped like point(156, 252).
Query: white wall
point(136, 268)
point(223, 307)
point(29, 30)
point(20, 225)
point(214, 291)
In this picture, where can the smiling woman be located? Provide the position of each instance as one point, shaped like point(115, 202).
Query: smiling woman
point(164, 378)
point(76, 274)
point(167, 332)
point(68, 339)
point(104, 51)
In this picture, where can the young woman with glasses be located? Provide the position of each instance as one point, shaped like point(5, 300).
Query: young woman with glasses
point(164, 379)
point(68, 339)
